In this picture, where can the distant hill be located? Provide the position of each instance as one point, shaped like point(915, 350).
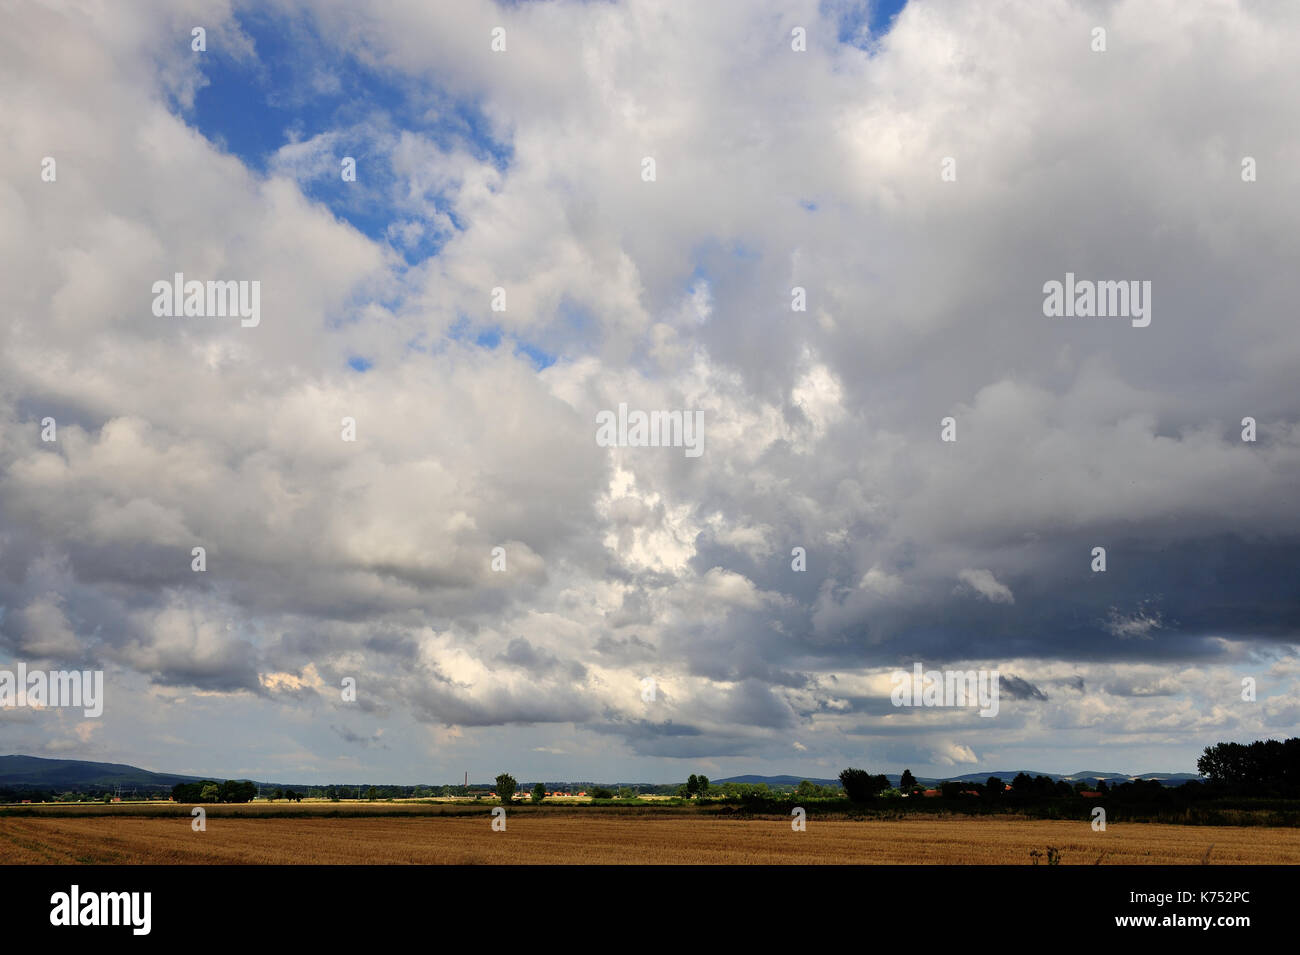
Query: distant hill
point(59, 775)
point(776, 780)
point(1006, 775)
point(34, 772)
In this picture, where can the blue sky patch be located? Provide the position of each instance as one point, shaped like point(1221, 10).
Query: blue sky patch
point(299, 88)
point(862, 22)
point(539, 358)
point(491, 337)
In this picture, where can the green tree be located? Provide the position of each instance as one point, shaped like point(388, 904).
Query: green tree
point(1272, 765)
point(211, 792)
point(506, 787)
point(856, 784)
point(539, 792)
point(993, 787)
point(702, 785)
point(237, 790)
point(907, 782)
point(859, 785)
point(1224, 763)
point(692, 785)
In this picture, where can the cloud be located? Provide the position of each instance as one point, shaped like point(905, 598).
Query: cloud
point(987, 586)
point(953, 754)
point(1019, 689)
point(348, 736)
point(1136, 625)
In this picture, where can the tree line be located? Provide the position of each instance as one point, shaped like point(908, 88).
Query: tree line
point(209, 790)
point(1264, 767)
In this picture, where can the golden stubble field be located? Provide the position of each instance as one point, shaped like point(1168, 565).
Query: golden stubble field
point(585, 837)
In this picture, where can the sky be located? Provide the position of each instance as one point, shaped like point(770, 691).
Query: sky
point(912, 174)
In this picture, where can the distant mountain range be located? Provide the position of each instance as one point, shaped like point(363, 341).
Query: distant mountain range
point(35, 772)
point(76, 775)
point(1006, 775)
point(779, 780)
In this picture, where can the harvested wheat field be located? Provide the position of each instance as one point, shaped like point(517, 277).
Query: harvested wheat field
point(588, 838)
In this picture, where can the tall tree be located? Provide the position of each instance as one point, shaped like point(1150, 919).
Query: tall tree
point(506, 787)
point(1264, 763)
point(907, 782)
point(859, 785)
